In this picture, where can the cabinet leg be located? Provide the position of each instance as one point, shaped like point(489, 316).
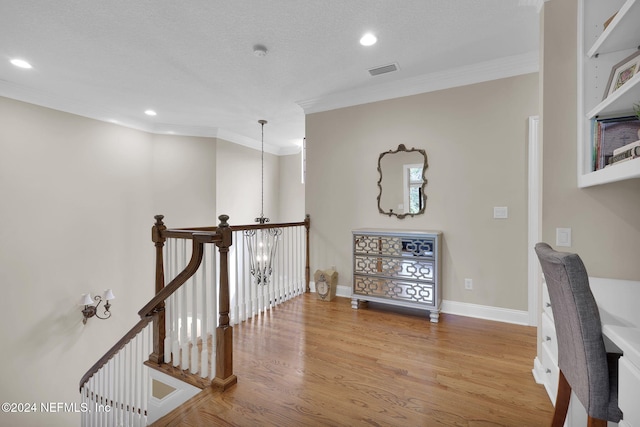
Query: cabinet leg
point(434, 316)
point(356, 303)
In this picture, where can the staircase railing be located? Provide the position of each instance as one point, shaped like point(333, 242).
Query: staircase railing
point(188, 323)
point(115, 390)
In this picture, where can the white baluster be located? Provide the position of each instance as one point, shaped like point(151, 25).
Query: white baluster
point(194, 285)
point(130, 387)
point(91, 415)
point(287, 255)
point(214, 284)
point(103, 391)
point(84, 417)
point(147, 377)
point(184, 339)
point(299, 260)
point(117, 399)
point(168, 316)
point(204, 303)
point(137, 367)
point(109, 392)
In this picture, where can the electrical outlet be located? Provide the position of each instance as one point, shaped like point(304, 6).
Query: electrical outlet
point(468, 284)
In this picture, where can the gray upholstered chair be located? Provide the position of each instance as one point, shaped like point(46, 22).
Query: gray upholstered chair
point(585, 366)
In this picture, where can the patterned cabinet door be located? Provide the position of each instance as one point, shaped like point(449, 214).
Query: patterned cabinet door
point(394, 289)
point(393, 245)
point(406, 268)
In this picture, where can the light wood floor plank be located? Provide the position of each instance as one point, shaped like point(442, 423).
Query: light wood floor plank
point(314, 363)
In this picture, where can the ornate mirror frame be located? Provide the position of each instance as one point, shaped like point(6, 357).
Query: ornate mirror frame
point(402, 148)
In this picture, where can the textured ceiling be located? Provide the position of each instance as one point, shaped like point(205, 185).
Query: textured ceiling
point(193, 62)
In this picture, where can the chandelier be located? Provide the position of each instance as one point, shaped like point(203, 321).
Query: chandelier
point(262, 242)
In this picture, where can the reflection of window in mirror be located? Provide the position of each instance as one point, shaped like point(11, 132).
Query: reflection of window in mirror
point(413, 188)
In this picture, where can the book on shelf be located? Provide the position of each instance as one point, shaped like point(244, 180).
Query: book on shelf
point(626, 147)
point(631, 153)
point(611, 134)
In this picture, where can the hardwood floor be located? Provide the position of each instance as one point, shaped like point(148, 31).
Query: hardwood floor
point(314, 363)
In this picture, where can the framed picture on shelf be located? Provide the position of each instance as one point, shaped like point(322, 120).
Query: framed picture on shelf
point(622, 72)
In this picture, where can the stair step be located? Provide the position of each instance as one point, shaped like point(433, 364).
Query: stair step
point(168, 393)
point(183, 375)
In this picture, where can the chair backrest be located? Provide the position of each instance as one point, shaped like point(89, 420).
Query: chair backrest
point(582, 356)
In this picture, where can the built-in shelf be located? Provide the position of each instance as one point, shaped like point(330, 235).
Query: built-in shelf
point(621, 33)
point(619, 172)
point(600, 50)
point(620, 101)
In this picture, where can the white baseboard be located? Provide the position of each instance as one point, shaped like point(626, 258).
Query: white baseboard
point(343, 291)
point(542, 377)
point(518, 317)
point(538, 371)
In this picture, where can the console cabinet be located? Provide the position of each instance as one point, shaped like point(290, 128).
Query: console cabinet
point(400, 268)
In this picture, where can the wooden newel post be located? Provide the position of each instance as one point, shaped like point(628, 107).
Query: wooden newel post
point(224, 333)
point(159, 332)
point(307, 270)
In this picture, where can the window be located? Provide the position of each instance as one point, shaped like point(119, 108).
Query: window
point(413, 188)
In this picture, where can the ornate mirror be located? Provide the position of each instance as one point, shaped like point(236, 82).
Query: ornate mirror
point(402, 181)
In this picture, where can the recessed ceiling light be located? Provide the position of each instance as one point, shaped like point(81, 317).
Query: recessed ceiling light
point(150, 113)
point(259, 50)
point(21, 63)
point(368, 40)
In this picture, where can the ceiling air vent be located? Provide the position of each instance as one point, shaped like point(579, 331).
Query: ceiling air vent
point(383, 69)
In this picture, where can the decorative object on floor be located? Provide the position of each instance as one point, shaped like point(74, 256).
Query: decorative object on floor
point(402, 184)
point(326, 283)
point(262, 242)
point(91, 310)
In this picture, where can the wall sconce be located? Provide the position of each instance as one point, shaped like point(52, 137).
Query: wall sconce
point(90, 310)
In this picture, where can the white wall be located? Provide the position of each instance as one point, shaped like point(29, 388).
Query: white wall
point(475, 139)
point(604, 219)
point(291, 195)
point(238, 183)
point(77, 201)
point(184, 184)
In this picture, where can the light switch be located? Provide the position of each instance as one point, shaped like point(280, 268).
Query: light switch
point(563, 237)
point(500, 212)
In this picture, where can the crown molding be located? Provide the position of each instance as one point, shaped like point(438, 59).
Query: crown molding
point(460, 76)
point(69, 105)
point(536, 3)
point(246, 141)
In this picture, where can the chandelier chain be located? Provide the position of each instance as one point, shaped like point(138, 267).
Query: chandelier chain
point(262, 172)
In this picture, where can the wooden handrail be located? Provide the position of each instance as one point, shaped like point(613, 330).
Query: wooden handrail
point(148, 312)
point(185, 233)
point(221, 237)
point(199, 239)
point(116, 348)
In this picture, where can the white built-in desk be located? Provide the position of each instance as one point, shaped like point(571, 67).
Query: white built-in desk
point(627, 339)
point(618, 306)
